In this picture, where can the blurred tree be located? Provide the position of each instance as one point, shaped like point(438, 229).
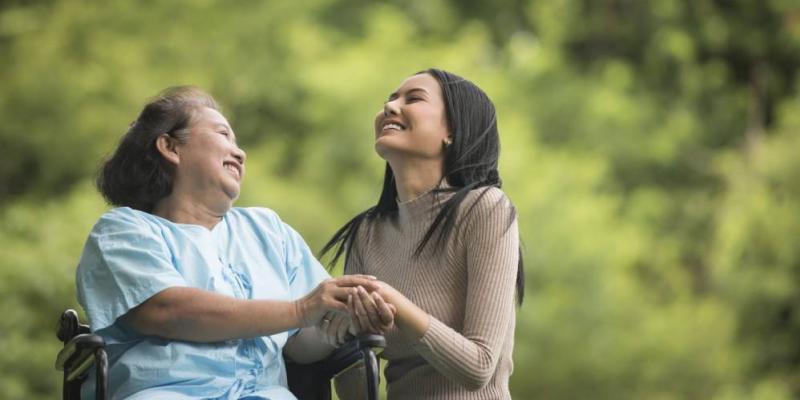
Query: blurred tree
point(649, 147)
point(757, 262)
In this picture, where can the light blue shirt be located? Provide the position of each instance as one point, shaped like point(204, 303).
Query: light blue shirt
point(132, 255)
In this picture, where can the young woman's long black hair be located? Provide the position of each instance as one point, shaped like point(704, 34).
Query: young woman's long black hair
point(470, 162)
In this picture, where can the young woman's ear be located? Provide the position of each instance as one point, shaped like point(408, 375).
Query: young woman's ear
point(167, 146)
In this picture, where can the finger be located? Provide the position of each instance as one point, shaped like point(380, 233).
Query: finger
point(323, 321)
point(344, 327)
point(341, 330)
point(324, 327)
point(364, 276)
point(361, 313)
point(366, 281)
point(385, 312)
point(335, 305)
point(340, 293)
point(353, 328)
point(329, 336)
point(371, 307)
point(353, 318)
point(336, 325)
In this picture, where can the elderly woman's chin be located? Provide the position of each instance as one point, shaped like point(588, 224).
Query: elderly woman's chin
point(232, 191)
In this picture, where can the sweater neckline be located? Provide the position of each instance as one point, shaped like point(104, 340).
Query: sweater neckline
point(425, 206)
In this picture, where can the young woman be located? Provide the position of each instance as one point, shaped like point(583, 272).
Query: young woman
point(195, 298)
point(443, 239)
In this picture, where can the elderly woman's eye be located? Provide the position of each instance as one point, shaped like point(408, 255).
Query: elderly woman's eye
point(224, 133)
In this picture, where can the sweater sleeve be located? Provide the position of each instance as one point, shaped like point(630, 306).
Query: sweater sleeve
point(491, 242)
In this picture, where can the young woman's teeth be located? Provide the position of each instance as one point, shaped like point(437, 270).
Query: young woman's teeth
point(392, 126)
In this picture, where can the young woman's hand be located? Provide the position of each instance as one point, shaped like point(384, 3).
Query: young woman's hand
point(369, 312)
point(330, 296)
point(410, 320)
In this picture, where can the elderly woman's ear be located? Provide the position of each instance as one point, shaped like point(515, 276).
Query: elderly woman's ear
point(168, 148)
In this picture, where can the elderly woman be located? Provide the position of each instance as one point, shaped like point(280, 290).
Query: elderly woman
point(195, 298)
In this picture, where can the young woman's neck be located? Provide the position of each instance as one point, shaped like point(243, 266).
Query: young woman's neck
point(415, 178)
point(188, 210)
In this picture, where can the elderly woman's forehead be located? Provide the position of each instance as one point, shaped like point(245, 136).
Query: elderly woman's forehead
point(210, 116)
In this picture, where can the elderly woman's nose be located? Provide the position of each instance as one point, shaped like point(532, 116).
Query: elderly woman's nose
point(240, 155)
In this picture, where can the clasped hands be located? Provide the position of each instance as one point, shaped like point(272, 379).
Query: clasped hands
point(349, 304)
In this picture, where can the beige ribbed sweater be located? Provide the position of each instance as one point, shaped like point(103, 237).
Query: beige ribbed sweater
point(467, 288)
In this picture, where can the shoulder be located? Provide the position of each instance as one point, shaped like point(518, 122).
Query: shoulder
point(262, 222)
point(124, 218)
point(487, 199)
point(484, 207)
point(261, 216)
point(127, 228)
point(123, 214)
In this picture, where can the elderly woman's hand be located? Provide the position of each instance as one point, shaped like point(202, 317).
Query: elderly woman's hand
point(330, 296)
point(335, 327)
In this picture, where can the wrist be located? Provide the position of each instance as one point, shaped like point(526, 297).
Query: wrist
point(299, 310)
point(411, 320)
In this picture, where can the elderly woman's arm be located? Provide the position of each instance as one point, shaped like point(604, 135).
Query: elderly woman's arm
point(191, 314)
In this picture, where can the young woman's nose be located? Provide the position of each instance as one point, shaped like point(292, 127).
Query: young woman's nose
point(391, 108)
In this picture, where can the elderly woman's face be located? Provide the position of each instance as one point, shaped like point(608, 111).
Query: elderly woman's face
point(412, 121)
point(210, 161)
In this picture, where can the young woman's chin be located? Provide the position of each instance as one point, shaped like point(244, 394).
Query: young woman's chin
point(385, 148)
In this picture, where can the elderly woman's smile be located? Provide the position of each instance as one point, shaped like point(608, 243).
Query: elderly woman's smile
point(234, 169)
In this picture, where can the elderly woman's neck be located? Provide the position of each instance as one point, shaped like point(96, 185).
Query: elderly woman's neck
point(183, 210)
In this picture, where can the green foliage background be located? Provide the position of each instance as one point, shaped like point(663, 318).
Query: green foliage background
point(650, 147)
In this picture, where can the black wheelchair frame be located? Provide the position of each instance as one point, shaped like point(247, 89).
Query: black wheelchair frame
point(82, 350)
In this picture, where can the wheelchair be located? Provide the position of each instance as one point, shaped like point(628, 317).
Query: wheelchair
point(82, 350)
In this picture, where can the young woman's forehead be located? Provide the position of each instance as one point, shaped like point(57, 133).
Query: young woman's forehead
point(424, 81)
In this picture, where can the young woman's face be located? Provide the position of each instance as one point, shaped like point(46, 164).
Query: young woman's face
point(412, 122)
point(210, 159)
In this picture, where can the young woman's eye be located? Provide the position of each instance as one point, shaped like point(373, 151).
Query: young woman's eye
point(412, 99)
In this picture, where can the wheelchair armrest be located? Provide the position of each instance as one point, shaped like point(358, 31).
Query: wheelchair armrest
point(352, 352)
point(69, 326)
point(78, 354)
point(312, 381)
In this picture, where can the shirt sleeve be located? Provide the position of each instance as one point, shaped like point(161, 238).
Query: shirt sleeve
point(491, 240)
point(124, 263)
point(303, 269)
